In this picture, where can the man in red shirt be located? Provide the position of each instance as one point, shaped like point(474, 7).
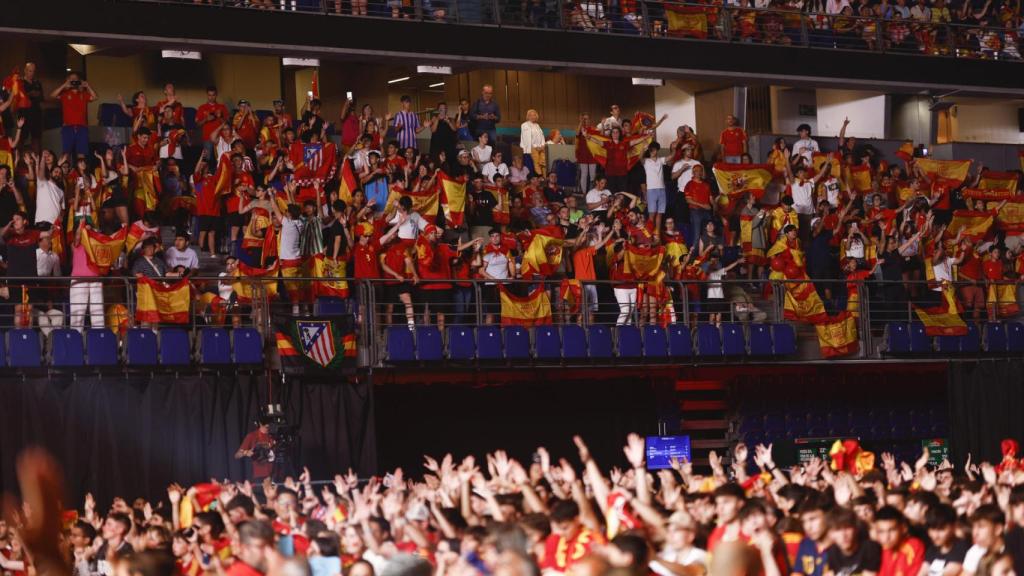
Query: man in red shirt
point(210, 116)
point(246, 124)
point(569, 541)
point(698, 198)
point(349, 126)
point(433, 260)
point(902, 555)
point(207, 205)
point(171, 101)
point(142, 159)
point(972, 296)
point(74, 95)
point(733, 141)
point(256, 446)
point(255, 540)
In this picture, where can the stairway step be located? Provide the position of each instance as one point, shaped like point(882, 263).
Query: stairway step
point(705, 424)
point(685, 385)
point(709, 443)
point(688, 405)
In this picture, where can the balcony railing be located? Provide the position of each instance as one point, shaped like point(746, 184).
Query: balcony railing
point(679, 20)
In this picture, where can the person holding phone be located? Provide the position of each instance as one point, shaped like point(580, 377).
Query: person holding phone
point(74, 95)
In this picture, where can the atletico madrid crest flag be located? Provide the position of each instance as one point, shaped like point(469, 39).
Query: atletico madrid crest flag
point(326, 342)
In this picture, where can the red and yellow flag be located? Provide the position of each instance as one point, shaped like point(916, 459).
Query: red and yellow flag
point(314, 83)
point(224, 175)
point(157, 302)
point(838, 336)
point(333, 272)
point(988, 194)
point(249, 280)
point(348, 183)
point(102, 251)
point(1011, 216)
point(860, 178)
point(571, 292)
point(992, 180)
point(543, 252)
point(643, 264)
point(819, 159)
point(739, 179)
point(424, 203)
point(1003, 298)
point(533, 309)
point(686, 21)
point(501, 213)
point(975, 223)
point(943, 319)
point(949, 169)
point(637, 147)
point(453, 198)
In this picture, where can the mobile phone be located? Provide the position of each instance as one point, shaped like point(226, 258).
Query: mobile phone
point(309, 93)
point(348, 95)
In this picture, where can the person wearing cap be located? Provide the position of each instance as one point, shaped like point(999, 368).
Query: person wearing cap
point(806, 146)
point(365, 259)
point(181, 254)
point(246, 124)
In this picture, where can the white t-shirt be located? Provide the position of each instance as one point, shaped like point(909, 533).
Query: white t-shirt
point(974, 555)
point(944, 273)
point(412, 226)
point(654, 169)
point(490, 169)
point(595, 196)
point(496, 265)
point(225, 286)
point(49, 201)
point(187, 258)
point(715, 289)
point(291, 231)
point(47, 263)
point(685, 177)
point(688, 557)
point(806, 147)
point(482, 153)
point(803, 197)
point(832, 190)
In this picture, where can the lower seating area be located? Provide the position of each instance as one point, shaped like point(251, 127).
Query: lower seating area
point(901, 338)
point(66, 348)
point(573, 343)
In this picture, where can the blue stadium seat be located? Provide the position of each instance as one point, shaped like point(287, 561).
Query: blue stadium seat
point(760, 340)
point(329, 306)
point(140, 347)
point(461, 343)
point(248, 346)
point(630, 344)
point(970, 343)
point(734, 342)
point(995, 337)
point(655, 341)
point(948, 344)
point(709, 340)
point(175, 347)
point(920, 342)
point(574, 342)
point(548, 342)
point(3, 349)
point(600, 338)
point(399, 344)
point(26, 349)
point(783, 339)
point(1015, 336)
point(897, 338)
point(214, 346)
point(488, 343)
point(565, 170)
point(680, 341)
point(66, 349)
point(429, 346)
point(517, 343)
point(100, 347)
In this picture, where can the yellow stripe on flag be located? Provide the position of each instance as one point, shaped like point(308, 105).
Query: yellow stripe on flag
point(249, 279)
point(686, 21)
point(738, 179)
point(838, 336)
point(949, 169)
point(1011, 216)
point(543, 254)
point(157, 302)
point(531, 310)
point(1003, 297)
point(975, 224)
point(453, 198)
point(643, 264)
point(944, 319)
point(101, 250)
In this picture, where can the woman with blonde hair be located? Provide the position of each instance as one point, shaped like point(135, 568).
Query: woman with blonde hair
point(531, 140)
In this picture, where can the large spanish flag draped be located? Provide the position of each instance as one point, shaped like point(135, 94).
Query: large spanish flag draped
point(1011, 216)
point(992, 180)
point(102, 251)
point(643, 264)
point(543, 252)
point(453, 198)
point(801, 302)
point(838, 335)
point(347, 182)
point(860, 178)
point(424, 203)
point(156, 302)
point(819, 159)
point(501, 213)
point(976, 223)
point(333, 272)
point(738, 179)
point(534, 309)
point(224, 176)
point(249, 279)
point(686, 21)
point(571, 292)
point(754, 256)
point(943, 319)
point(949, 169)
point(1003, 297)
point(637, 147)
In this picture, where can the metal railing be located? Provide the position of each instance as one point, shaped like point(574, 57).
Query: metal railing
point(681, 20)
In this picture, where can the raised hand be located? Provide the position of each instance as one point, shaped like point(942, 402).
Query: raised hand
point(634, 450)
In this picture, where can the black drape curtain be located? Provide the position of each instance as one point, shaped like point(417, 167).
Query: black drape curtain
point(132, 436)
point(986, 405)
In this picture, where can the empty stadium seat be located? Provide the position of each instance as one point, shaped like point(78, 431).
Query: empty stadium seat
point(214, 346)
point(574, 342)
point(783, 339)
point(970, 343)
point(734, 343)
point(995, 337)
point(175, 347)
point(329, 306)
point(920, 342)
point(100, 347)
point(897, 338)
point(488, 343)
point(25, 347)
point(655, 341)
point(630, 345)
point(461, 343)
point(517, 343)
point(140, 347)
point(399, 344)
point(709, 340)
point(680, 341)
point(548, 343)
point(429, 346)
point(66, 349)
point(247, 345)
point(948, 344)
point(3, 349)
point(1015, 336)
point(760, 340)
point(600, 339)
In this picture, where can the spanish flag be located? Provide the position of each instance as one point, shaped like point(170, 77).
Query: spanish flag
point(453, 198)
point(224, 176)
point(1020, 157)
point(906, 151)
point(620, 516)
point(976, 223)
point(992, 180)
point(819, 159)
point(135, 233)
point(904, 193)
point(147, 189)
point(333, 272)
point(1003, 297)
point(754, 256)
point(157, 302)
point(989, 194)
point(250, 279)
point(643, 121)
point(348, 183)
point(739, 179)
point(501, 213)
point(643, 264)
point(860, 178)
point(637, 147)
point(949, 169)
point(102, 251)
point(802, 303)
point(543, 252)
point(1011, 216)
point(295, 268)
point(424, 203)
point(686, 21)
point(943, 319)
point(838, 335)
point(533, 309)
point(571, 292)
point(675, 250)
point(215, 306)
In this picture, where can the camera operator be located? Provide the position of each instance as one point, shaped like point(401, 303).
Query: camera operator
point(74, 95)
point(257, 445)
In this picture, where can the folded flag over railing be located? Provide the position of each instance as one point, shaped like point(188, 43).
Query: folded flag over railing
point(328, 343)
point(157, 302)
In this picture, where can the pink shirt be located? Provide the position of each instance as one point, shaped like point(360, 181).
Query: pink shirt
point(80, 264)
